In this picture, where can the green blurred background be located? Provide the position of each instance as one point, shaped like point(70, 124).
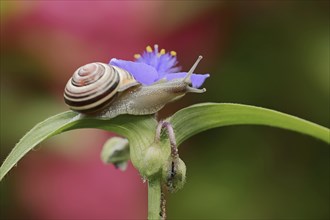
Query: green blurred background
point(273, 54)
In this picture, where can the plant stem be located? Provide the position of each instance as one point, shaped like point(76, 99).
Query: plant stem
point(154, 197)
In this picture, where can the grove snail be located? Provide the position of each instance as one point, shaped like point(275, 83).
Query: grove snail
point(107, 91)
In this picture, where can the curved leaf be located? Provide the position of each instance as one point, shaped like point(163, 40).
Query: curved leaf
point(201, 117)
point(137, 129)
point(140, 130)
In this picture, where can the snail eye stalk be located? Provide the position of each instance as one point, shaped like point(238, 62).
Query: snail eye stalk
point(192, 69)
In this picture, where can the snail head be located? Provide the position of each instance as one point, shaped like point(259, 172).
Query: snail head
point(187, 79)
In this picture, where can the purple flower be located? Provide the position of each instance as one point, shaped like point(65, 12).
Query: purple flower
point(154, 65)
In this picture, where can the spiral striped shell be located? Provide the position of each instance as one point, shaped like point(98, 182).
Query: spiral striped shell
point(95, 85)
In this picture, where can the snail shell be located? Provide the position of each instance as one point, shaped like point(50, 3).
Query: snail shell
point(95, 85)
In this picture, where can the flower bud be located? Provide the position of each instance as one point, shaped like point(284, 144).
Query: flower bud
point(175, 175)
point(152, 161)
point(116, 151)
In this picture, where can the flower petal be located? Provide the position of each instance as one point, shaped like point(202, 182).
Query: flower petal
point(171, 76)
point(197, 80)
point(143, 73)
point(163, 62)
point(167, 64)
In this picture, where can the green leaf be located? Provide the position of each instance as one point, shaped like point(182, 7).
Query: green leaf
point(201, 117)
point(139, 130)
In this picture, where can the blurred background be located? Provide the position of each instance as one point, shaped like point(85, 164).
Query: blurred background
point(273, 54)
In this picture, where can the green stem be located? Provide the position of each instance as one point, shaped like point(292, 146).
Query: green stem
point(154, 194)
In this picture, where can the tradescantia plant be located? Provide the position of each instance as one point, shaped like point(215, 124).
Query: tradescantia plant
point(150, 145)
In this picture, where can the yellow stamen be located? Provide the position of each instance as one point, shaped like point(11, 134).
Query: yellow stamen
point(173, 53)
point(149, 49)
point(162, 51)
point(137, 56)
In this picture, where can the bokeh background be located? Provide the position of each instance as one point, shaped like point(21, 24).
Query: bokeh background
point(273, 54)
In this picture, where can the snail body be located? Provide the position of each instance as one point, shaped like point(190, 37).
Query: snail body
point(145, 100)
point(119, 93)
